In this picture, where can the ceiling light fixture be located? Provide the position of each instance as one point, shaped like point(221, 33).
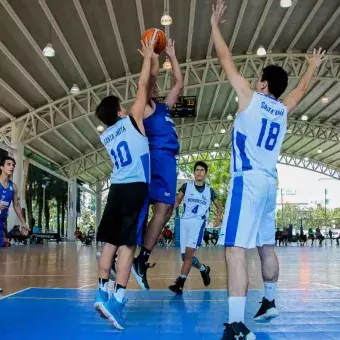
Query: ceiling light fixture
point(230, 117)
point(324, 100)
point(49, 51)
point(166, 19)
point(286, 3)
point(304, 117)
point(75, 89)
point(100, 128)
point(236, 99)
point(167, 64)
point(319, 151)
point(261, 51)
point(216, 145)
point(223, 131)
point(306, 159)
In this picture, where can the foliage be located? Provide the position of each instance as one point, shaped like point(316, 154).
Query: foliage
point(312, 217)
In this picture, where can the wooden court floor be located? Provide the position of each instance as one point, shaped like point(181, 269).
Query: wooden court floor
point(72, 265)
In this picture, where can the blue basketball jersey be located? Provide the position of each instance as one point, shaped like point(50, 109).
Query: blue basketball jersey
point(6, 197)
point(129, 152)
point(196, 204)
point(258, 135)
point(160, 129)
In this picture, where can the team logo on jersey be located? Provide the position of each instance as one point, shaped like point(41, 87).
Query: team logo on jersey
point(167, 194)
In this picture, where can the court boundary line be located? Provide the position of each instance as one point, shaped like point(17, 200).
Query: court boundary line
point(14, 293)
point(191, 290)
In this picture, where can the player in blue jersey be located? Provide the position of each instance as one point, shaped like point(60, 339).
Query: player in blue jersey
point(257, 137)
point(161, 132)
point(121, 223)
point(198, 197)
point(9, 194)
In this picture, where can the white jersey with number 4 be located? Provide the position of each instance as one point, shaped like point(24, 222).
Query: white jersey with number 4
point(196, 204)
point(129, 152)
point(258, 135)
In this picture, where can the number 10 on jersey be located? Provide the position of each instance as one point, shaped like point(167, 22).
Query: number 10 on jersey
point(273, 134)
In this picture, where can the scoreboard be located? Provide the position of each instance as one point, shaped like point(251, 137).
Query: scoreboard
point(185, 106)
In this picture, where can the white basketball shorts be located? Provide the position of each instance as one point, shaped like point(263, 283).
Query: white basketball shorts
point(249, 217)
point(191, 233)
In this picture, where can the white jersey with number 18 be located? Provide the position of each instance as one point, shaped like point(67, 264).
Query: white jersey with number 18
point(129, 152)
point(258, 135)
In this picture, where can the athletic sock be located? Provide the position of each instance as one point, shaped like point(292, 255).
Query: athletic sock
point(103, 284)
point(237, 307)
point(270, 290)
point(144, 255)
point(182, 276)
point(119, 292)
point(203, 268)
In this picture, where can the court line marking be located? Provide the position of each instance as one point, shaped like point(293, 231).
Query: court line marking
point(14, 293)
point(90, 285)
point(2, 264)
point(324, 285)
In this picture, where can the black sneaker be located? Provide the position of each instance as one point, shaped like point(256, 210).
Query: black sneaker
point(139, 270)
point(177, 288)
point(238, 331)
point(267, 311)
point(205, 276)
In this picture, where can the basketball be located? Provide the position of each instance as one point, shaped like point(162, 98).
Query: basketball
point(160, 39)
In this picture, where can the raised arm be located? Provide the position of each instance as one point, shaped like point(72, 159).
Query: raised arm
point(138, 106)
point(17, 208)
point(174, 93)
point(239, 83)
point(295, 96)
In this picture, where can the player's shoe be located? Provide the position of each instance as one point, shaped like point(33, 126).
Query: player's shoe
point(101, 298)
point(1, 290)
point(237, 330)
point(177, 288)
point(114, 311)
point(139, 271)
point(267, 311)
point(206, 276)
point(113, 274)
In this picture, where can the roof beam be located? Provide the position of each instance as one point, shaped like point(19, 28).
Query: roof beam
point(6, 113)
point(259, 25)
point(282, 25)
point(117, 35)
point(334, 45)
point(91, 38)
point(238, 24)
point(11, 57)
point(191, 28)
point(324, 30)
point(63, 40)
point(140, 16)
point(304, 25)
point(53, 149)
point(15, 95)
point(39, 153)
point(33, 43)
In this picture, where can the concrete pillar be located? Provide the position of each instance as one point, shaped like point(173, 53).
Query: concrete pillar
point(18, 176)
point(72, 211)
point(99, 188)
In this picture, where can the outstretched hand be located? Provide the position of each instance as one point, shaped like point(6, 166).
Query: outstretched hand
point(317, 58)
point(170, 48)
point(147, 48)
point(217, 12)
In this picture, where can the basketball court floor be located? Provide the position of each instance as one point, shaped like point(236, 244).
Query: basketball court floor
point(49, 293)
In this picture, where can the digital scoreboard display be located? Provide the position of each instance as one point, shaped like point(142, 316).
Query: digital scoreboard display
point(185, 106)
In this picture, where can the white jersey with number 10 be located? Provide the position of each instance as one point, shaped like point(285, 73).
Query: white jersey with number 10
point(129, 152)
point(258, 135)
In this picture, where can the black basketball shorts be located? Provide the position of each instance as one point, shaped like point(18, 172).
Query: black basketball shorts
point(124, 214)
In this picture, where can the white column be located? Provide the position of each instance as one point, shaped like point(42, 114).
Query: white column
point(72, 211)
point(99, 188)
point(18, 176)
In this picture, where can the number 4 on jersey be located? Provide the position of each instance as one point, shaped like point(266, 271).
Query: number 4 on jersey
point(194, 211)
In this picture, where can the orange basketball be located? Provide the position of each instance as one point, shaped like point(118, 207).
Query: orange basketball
point(160, 39)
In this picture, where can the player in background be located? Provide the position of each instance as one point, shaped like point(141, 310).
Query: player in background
point(164, 146)
point(121, 223)
point(9, 194)
point(257, 137)
point(198, 196)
